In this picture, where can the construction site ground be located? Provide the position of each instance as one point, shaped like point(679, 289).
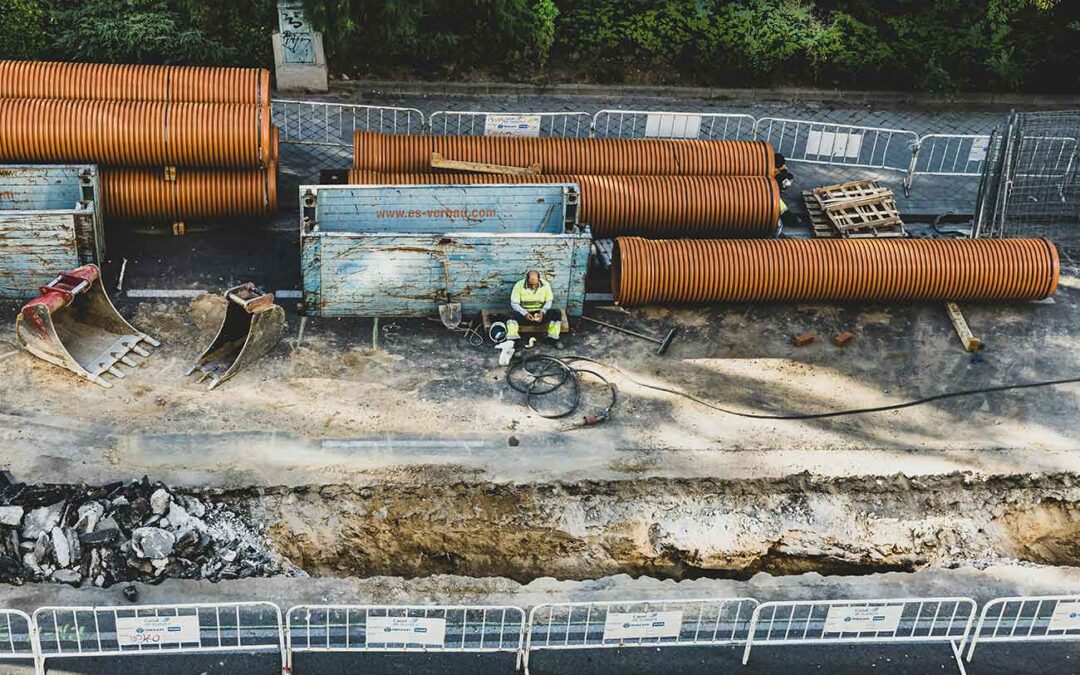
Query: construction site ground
point(335, 408)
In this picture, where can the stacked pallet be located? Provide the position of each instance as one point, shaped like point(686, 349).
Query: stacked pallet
point(646, 187)
point(174, 143)
point(856, 210)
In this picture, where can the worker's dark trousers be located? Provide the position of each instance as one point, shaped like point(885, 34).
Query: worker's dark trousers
point(552, 314)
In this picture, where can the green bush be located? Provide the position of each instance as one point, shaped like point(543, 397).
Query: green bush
point(24, 29)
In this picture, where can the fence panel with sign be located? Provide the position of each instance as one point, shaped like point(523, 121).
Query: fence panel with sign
point(839, 144)
point(382, 628)
point(646, 623)
point(1046, 618)
point(661, 124)
point(156, 629)
point(888, 621)
point(475, 123)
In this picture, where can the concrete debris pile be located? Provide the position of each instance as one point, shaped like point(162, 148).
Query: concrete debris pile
point(141, 531)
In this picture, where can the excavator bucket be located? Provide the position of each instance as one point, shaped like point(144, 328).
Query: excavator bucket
point(253, 325)
point(73, 324)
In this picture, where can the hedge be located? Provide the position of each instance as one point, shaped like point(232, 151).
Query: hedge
point(940, 46)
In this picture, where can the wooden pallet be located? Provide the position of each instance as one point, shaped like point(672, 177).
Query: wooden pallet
point(490, 317)
point(858, 209)
point(819, 222)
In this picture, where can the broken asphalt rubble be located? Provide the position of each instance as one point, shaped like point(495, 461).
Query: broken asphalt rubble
point(140, 531)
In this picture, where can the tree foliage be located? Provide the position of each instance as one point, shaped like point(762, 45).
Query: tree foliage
point(940, 46)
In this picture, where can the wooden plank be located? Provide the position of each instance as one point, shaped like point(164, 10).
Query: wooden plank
point(967, 338)
point(439, 162)
point(34, 247)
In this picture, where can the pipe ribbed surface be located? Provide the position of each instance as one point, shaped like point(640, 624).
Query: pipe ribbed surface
point(794, 270)
point(589, 156)
point(124, 82)
point(658, 206)
point(134, 133)
point(196, 194)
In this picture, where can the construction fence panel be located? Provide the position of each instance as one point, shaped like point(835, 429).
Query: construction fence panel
point(839, 144)
point(534, 124)
point(662, 124)
point(950, 154)
point(641, 623)
point(240, 627)
point(879, 621)
point(1047, 618)
point(16, 635)
point(389, 628)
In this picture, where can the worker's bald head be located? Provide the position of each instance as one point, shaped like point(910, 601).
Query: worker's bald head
point(532, 277)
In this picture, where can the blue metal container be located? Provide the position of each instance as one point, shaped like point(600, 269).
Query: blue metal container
point(546, 208)
point(49, 223)
point(356, 262)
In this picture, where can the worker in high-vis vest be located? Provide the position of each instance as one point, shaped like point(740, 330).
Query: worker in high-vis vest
point(530, 302)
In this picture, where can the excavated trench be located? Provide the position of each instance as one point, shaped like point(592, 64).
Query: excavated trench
point(666, 528)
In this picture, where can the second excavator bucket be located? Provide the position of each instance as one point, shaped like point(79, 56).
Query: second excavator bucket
point(253, 325)
point(73, 324)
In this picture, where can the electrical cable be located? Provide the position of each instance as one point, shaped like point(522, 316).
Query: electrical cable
point(840, 413)
point(562, 369)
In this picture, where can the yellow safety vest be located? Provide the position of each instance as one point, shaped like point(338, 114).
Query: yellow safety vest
point(533, 300)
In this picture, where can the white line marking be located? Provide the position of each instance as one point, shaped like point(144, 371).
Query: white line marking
point(165, 293)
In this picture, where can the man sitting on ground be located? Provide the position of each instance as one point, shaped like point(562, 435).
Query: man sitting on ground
point(530, 302)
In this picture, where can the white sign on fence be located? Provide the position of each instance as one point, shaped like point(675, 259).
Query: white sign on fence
point(407, 630)
point(978, 149)
point(156, 630)
point(637, 625)
point(863, 619)
point(512, 125)
point(833, 144)
point(672, 125)
point(1066, 616)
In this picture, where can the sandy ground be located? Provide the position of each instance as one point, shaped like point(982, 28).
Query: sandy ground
point(428, 396)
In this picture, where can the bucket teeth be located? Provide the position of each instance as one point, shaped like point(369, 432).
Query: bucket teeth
point(73, 324)
point(251, 327)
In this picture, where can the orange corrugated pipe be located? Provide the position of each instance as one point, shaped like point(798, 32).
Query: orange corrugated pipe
point(590, 156)
point(659, 206)
point(196, 194)
point(134, 133)
point(800, 270)
point(127, 82)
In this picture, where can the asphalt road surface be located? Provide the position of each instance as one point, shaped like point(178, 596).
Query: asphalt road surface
point(1023, 659)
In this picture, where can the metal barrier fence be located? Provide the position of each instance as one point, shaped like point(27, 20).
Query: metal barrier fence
point(16, 635)
point(214, 628)
point(1047, 618)
point(662, 124)
point(474, 123)
point(65, 632)
point(881, 621)
point(838, 144)
point(646, 623)
point(386, 628)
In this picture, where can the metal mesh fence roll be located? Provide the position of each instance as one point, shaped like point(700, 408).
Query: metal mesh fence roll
point(134, 133)
point(196, 194)
point(127, 82)
point(590, 156)
point(797, 270)
point(656, 206)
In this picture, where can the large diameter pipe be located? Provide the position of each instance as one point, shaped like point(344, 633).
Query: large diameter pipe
point(195, 194)
point(375, 151)
point(124, 82)
point(655, 206)
point(800, 270)
point(134, 133)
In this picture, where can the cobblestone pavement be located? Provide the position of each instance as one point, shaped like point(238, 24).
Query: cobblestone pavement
point(930, 195)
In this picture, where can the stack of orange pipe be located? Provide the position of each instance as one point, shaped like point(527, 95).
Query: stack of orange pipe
point(793, 270)
point(145, 194)
point(135, 133)
point(375, 151)
point(212, 123)
point(127, 82)
point(664, 206)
